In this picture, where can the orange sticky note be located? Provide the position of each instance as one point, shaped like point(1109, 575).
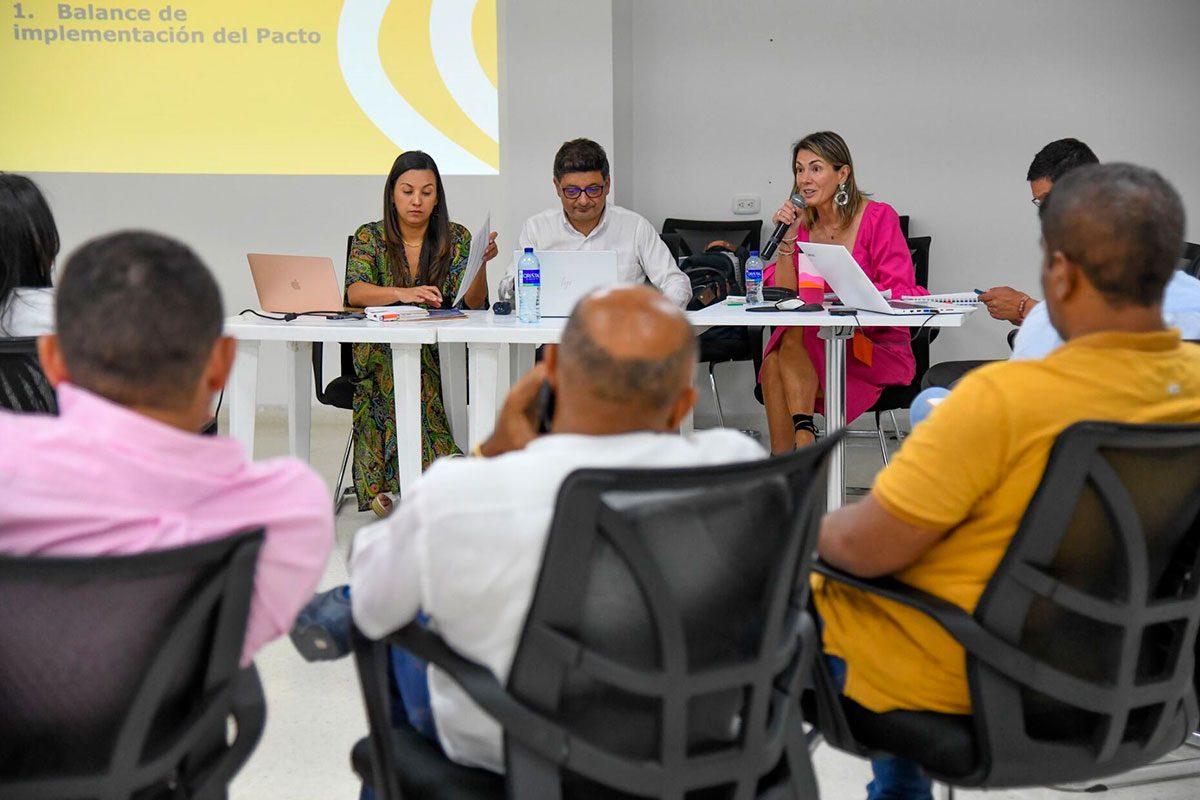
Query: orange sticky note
point(864, 348)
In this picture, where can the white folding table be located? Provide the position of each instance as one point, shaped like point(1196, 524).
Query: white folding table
point(487, 338)
point(405, 339)
point(835, 330)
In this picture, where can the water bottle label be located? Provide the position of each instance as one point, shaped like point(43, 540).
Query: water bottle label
point(531, 277)
point(754, 274)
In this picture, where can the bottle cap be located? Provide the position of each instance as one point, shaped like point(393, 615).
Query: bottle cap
point(528, 249)
point(753, 253)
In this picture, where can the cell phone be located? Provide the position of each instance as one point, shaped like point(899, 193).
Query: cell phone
point(843, 312)
point(544, 407)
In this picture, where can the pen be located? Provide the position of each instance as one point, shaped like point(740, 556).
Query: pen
point(978, 291)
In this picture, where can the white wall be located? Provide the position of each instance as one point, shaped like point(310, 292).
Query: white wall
point(943, 103)
point(556, 84)
point(224, 217)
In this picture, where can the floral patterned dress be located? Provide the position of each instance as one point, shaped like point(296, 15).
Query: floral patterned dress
point(374, 396)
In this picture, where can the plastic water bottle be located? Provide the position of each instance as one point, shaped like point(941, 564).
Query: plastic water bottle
point(529, 287)
point(754, 279)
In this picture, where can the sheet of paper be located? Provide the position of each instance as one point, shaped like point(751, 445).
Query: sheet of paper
point(479, 243)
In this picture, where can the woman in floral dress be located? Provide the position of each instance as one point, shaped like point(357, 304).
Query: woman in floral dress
point(415, 255)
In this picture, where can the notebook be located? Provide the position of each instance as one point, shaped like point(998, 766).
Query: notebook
point(411, 314)
point(958, 298)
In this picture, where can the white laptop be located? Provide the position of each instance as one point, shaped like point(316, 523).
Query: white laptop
point(852, 286)
point(567, 275)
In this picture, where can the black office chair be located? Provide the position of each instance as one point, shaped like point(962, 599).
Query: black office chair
point(901, 397)
point(714, 276)
point(23, 385)
point(119, 675)
point(338, 394)
point(674, 243)
point(1191, 258)
point(663, 652)
point(1080, 653)
point(695, 234)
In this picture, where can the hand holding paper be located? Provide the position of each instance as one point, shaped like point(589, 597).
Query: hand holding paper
point(481, 244)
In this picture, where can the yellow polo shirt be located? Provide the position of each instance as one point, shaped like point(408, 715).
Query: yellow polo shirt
point(970, 469)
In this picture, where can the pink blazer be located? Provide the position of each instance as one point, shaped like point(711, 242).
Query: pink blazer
point(882, 252)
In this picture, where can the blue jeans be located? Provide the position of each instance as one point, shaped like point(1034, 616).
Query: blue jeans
point(895, 778)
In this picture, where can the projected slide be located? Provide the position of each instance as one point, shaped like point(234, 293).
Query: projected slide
point(320, 87)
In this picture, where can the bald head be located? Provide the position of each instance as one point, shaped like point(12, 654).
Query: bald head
point(628, 346)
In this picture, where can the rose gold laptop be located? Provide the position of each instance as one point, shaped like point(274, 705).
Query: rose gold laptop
point(295, 284)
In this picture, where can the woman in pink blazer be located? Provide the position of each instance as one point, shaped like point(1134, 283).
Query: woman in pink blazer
point(837, 212)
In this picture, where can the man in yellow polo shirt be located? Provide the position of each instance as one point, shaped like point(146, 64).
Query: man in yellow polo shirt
point(941, 516)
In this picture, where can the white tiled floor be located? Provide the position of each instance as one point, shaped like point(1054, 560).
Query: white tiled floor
point(315, 713)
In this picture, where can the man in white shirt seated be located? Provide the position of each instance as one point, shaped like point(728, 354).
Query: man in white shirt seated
point(1180, 310)
point(587, 221)
point(465, 545)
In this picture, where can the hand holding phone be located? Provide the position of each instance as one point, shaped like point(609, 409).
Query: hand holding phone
point(522, 414)
point(544, 408)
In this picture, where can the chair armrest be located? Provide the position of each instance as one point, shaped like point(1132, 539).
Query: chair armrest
point(371, 659)
point(318, 363)
point(249, 710)
point(966, 630)
point(522, 723)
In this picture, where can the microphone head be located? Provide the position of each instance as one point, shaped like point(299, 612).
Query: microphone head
point(798, 200)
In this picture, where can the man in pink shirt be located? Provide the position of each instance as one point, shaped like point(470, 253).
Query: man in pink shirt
point(136, 361)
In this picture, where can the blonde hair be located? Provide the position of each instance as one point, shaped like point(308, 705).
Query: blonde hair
point(833, 149)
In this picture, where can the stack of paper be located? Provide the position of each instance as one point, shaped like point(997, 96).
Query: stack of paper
point(395, 313)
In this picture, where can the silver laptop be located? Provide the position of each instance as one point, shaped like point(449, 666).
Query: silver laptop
point(568, 275)
point(852, 286)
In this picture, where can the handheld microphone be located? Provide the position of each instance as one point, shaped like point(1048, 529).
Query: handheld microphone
point(780, 229)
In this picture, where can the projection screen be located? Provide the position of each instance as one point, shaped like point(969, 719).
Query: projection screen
point(271, 87)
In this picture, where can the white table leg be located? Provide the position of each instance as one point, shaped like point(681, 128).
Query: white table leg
point(483, 362)
point(835, 409)
point(526, 354)
point(243, 394)
point(299, 379)
point(453, 358)
point(687, 426)
point(406, 375)
point(506, 370)
point(520, 360)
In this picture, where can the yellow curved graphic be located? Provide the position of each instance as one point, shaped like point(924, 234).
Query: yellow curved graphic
point(407, 57)
point(484, 34)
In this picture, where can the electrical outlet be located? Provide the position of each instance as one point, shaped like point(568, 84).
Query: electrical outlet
point(746, 204)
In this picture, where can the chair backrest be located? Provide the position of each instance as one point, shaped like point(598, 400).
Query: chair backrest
point(666, 631)
point(23, 385)
point(695, 234)
point(1099, 588)
point(918, 248)
point(117, 673)
point(1191, 259)
point(345, 351)
point(674, 243)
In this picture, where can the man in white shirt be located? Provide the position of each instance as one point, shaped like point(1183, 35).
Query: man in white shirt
point(1180, 309)
point(587, 221)
point(465, 544)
